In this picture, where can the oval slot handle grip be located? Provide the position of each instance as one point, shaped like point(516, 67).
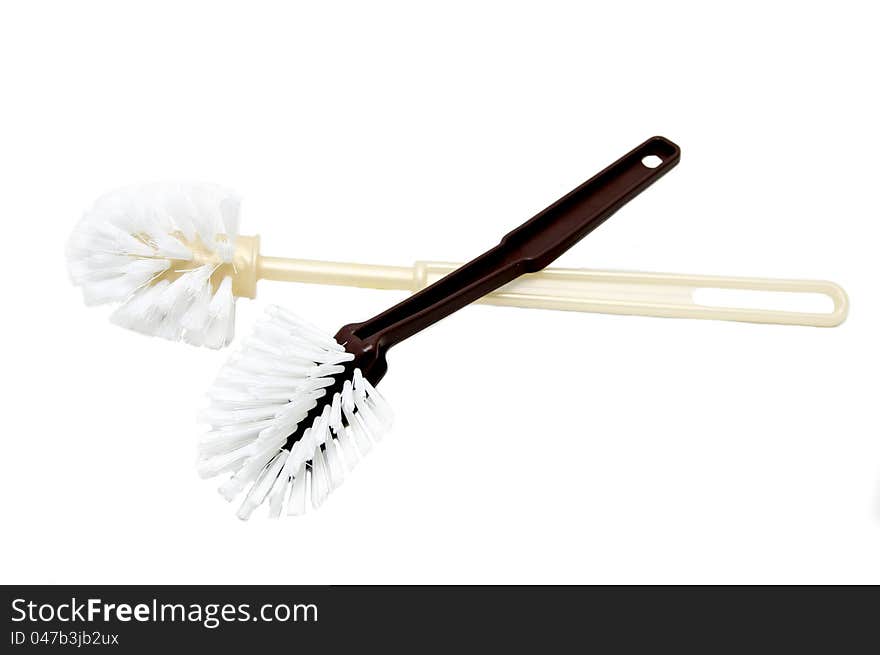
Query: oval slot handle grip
point(665, 295)
point(528, 248)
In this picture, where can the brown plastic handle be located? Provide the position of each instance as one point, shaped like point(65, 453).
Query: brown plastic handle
point(527, 249)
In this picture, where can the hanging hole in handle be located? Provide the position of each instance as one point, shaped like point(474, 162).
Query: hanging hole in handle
point(786, 301)
point(651, 161)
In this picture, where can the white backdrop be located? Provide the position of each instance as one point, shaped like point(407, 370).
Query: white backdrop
point(529, 446)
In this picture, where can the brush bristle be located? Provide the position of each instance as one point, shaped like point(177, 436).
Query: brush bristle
point(260, 398)
point(133, 236)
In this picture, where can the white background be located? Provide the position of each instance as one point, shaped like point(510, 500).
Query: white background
point(529, 446)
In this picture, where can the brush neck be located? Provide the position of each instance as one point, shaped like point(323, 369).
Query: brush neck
point(312, 271)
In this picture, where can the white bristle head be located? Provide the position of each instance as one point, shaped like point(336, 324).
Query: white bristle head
point(262, 395)
point(133, 236)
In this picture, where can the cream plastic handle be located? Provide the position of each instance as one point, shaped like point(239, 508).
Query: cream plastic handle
point(653, 294)
point(580, 290)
